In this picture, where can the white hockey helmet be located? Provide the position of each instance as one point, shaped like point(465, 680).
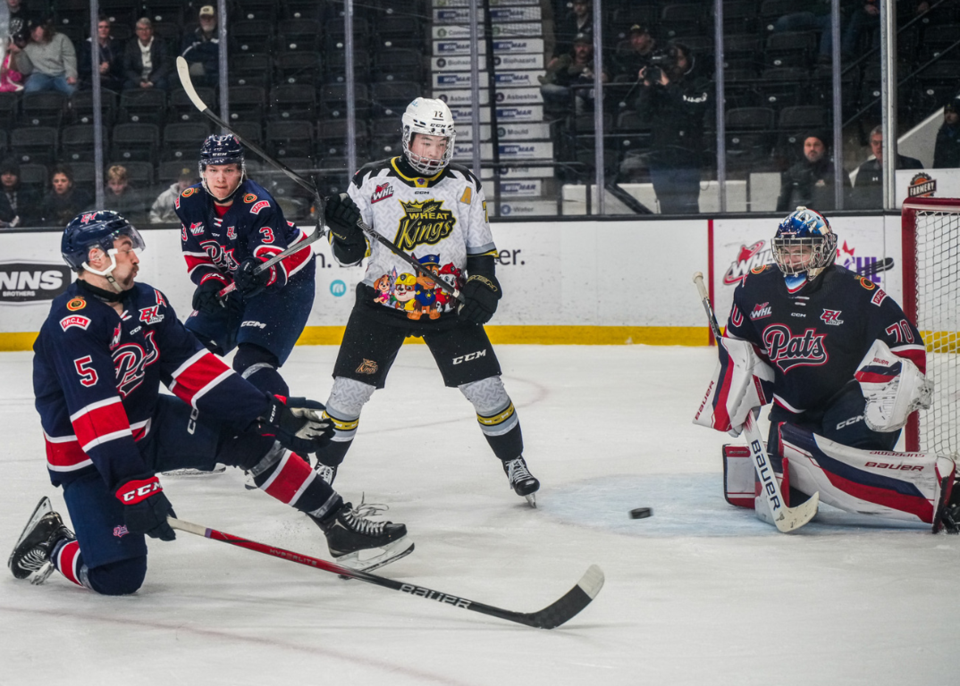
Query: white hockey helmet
point(433, 118)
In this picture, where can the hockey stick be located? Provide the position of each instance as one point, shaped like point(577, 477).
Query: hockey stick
point(550, 617)
point(183, 71)
point(784, 518)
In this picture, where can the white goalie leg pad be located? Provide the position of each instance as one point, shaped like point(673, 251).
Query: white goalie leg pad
point(902, 486)
point(495, 410)
point(739, 476)
point(742, 382)
point(893, 387)
point(346, 401)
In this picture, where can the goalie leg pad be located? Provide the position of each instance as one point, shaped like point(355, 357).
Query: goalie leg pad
point(903, 486)
point(741, 487)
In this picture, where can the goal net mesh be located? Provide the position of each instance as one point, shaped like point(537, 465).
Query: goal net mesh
point(938, 318)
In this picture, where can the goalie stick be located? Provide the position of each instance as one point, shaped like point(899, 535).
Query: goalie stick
point(183, 71)
point(550, 617)
point(785, 518)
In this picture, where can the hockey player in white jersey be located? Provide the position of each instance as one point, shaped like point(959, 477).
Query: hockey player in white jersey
point(435, 212)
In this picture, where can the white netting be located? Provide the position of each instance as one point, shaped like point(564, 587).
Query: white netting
point(938, 318)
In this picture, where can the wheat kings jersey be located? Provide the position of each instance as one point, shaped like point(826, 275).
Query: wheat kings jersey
point(815, 338)
point(97, 376)
point(440, 221)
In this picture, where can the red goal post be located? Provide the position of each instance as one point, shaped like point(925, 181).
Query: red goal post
point(931, 286)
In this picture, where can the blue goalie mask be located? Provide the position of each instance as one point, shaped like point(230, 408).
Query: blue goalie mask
point(97, 229)
point(804, 244)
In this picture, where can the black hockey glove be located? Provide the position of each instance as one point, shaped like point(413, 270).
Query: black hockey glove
point(146, 508)
point(295, 424)
point(480, 294)
point(250, 284)
point(343, 217)
point(205, 298)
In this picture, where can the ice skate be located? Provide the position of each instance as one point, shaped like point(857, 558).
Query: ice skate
point(218, 468)
point(326, 472)
point(30, 558)
point(521, 480)
point(359, 543)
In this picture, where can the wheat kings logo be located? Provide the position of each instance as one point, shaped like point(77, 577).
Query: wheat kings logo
point(424, 223)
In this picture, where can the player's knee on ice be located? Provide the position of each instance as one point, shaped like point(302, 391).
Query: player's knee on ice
point(118, 578)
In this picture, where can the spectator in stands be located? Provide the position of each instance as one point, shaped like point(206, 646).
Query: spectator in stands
point(11, 81)
point(634, 53)
point(674, 98)
point(579, 21)
point(146, 63)
point(866, 17)
point(20, 18)
point(65, 201)
point(867, 191)
point(110, 59)
point(48, 60)
point(201, 49)
point(811, 181)
point(23, 201)
point(164, 207)
point(120, 196)
point(559, 85)
point(813, 15)
point(947, 151)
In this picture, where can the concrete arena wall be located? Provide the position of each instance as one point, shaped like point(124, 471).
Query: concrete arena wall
point(586, 282)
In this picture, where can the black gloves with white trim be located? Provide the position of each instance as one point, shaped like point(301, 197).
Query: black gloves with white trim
point(296, 424)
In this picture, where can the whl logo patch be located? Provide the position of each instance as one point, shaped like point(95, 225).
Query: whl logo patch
point(788, 351)
point(424, 223)
point(761, 311)
point(381, 193)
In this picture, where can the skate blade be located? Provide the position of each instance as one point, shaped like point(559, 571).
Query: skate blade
point(531, 500)
point(219, 469)
point(43, 508)
point(42, 574)
point(390, 553)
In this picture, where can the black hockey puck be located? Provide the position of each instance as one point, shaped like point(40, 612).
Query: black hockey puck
point(641, 513)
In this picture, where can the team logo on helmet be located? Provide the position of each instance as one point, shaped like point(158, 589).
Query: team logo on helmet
point(423, 223)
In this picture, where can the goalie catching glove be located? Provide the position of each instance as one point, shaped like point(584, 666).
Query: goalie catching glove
point(742, 383)
point(295, 424)
point(893, 387)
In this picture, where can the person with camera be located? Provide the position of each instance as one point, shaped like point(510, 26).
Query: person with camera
point(570, 78)
point(810, 181)
point(674, 99)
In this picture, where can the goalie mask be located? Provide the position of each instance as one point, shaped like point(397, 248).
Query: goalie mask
point(432, 118)
point(220, 150)
point(804, 244)
point(98, 229)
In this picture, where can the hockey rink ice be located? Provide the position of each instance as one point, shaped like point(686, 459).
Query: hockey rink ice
point(701, 593)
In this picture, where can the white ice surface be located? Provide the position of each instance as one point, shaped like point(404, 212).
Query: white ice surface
point(701, 593)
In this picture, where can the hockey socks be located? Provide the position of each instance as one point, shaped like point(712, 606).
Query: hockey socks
point(284, 475)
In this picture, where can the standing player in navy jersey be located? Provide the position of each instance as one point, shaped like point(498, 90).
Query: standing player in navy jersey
point(230, 225)
point(844, 368)
point(105, 348)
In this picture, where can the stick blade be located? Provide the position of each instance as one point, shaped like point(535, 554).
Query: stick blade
point(183, 71)
point(795, 517)
point(572, 602)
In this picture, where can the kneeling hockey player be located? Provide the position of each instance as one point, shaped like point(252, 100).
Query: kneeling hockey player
point(99, 360)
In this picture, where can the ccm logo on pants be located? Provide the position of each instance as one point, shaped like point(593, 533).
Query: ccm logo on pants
point(470, 356)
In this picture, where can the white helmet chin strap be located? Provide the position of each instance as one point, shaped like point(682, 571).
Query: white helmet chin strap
point(108, 272)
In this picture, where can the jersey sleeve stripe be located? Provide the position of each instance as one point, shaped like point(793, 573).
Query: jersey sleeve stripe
point(94, 406)
point(198, 376)
point(105, 438)
point(487, 249)
point(65, 455)
point(98, 425)
point(190, 361)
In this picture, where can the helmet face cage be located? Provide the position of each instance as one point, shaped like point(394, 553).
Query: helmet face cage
point(807, 231)
point(220, 150)
point(96, 230)
point(431, 118)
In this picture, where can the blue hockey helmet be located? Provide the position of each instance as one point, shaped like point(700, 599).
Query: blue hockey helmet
point(804, 243)
point(224, 149)
point(97, 229)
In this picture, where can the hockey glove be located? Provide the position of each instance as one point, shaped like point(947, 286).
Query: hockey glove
point(206, 299)
point(249, 283)
point(343, 217)
point(480, 295)
point(295, 424)
point(146, 508)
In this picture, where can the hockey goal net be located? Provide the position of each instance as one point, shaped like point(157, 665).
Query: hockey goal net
point(931, 273)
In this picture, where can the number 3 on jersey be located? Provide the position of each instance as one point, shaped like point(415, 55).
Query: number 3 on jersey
point(88, 375)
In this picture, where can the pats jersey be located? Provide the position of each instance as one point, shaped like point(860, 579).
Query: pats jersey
point(97, 375)
point(815, 338)
point(253, 226)
point(439, 220)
